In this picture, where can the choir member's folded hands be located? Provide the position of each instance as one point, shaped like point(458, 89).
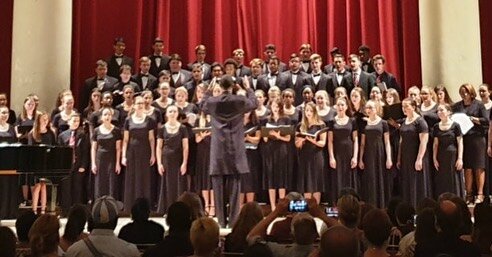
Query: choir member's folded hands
point(275, 134)
point(300, 142)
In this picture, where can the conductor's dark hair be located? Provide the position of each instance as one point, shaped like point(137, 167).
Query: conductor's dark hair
point(141, 210)
point(227, 82)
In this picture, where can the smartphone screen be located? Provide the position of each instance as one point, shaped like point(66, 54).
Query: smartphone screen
point(298, 206)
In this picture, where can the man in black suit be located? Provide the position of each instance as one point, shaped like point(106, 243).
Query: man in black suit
point(330, 67)
point(270, 51)
point(201, 52)
point(144, 79)
point(217, 70)
point(179, 77)
point(359, 77)
point(384, 79)
point(196, 75)
point(119, 58)
point(305, 52)
point(101, 81)
point(273, 77)
point(159, 60)
point(317, 79)
point(365, 58)
point(341, 77)
point(230, 68)
point(242, 70)
point(254, 80)
point(294, 78)
point(227, 153)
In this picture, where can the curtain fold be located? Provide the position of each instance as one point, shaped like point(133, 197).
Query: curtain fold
point(485, 7)
point(388, 27)
point(6, 20)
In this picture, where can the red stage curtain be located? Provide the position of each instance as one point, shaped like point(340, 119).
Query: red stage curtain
point(485, 7)
point(6, 19)
point(388, 27)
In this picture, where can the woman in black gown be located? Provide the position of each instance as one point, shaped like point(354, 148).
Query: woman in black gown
point(172, 158)
point(202, 172)
point(251, 180)
point(343, 149)
point(126, 106)
point(60, 120)
point(414, 178)
point(138, 154)
point(473, 142)
point(310, 149)
point(262, 111)
point(375, 159)
point(295, 115)
point(106, 102)
point(448, 154)
point(105, 156)
point(276, 170)
point(164, 100)
point(8, 184)
point(41, 133)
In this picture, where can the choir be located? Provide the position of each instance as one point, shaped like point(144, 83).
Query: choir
point(146, 135)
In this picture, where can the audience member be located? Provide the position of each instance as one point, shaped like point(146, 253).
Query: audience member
point(142, 230)
point(74, 229)
point(466, 226)
point(447, 241)
point(425, 230)
point(364, 209)
point(482, 232)
point(250, 215)
point(404, 217)
point(339, 241)
point(280, 229)
point(7, 242)
point(205, 236)
point(23, 224)
point(44, 236)
point(102, 240)
point(177, 242)
point(377, 228)
point(303, 229)
point(193, 201)
point(258, 249)
point(391, 209)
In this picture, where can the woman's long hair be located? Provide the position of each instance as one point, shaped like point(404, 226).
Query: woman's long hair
point(36, 129)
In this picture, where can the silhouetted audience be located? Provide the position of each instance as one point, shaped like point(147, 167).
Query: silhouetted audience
point(377, 228)
point(142, 230)
point(7, 242)
point(205, 236)
point(339, 241)
point(250, 215)
point(74, 229)
point(44, 236)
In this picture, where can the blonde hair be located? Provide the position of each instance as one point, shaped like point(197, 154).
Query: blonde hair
point(305, 121)
point(204, 235)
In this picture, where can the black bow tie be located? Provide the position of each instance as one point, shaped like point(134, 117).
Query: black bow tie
point(175, 72)
point(317, 75)
point(340, 73)
point(273, 74)
point(120, 56)
point(306, 61)
point(100, 79)
point(145, 75)
point(295, 73)
point(157, 56)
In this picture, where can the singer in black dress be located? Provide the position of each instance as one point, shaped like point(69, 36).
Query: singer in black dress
point(202, 181)
point(105, 156)
point(8, 184)
point(138, 154)
point(310, 153)
point(448, 154)
point(375, 159)
point(414, 177)
point(343, 149)
point(250, 181)
point(276, 169)
point(172, 159)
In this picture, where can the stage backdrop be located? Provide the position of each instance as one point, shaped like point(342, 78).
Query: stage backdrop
point(6, 18)
point(486, 39)
point(388, 27)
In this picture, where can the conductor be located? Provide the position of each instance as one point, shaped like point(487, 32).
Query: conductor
point(227, 151)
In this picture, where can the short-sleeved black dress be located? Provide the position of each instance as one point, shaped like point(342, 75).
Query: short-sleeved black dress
point(250, 181)
point(277, 170)
point(202, 166)
point(8, 184)
point(310, 164)
point(106, 180)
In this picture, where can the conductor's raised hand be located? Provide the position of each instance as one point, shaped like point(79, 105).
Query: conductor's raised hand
point(246, 85)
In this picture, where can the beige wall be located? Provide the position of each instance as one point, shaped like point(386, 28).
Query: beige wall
point(450, 43)
point(41, 50)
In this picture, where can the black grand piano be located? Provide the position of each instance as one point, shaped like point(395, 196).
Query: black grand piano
point(50, 163)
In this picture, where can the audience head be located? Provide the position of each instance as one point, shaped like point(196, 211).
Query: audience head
point(348, 191)
point(427, 202)
point(404, 213)
point(303, 228)
point(7, 242)
point(391, 209)
point(426, 225)
point(105, 212)
point(258, 249)
point(377, 227)
point(204, 236)
point(364, 209)
point(339, 241)
point(44, 236)
point(179, 218)
point(23, 224)
point(249, 216)
point(449, 218)
point(466, 219)
point(77, 217)
point(194, 202)
point(348, 211)
point(141, 210)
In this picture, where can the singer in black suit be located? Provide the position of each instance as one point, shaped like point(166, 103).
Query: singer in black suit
point(100, 81)
point(201, 52)
point(294, 78)
point(270, 51)
point(159, 60)
point(228, 158)
point(144, 79)
point(197, 75)
point(254, 80)
point(383, 76)
point(359, 77)
point(365, 58)
point(273, 77)
point(341, 77)
point(305, 52)
point(77, 137)
point(242, 70)
point(179, 76)
point(118, 59)
point(317, 79)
